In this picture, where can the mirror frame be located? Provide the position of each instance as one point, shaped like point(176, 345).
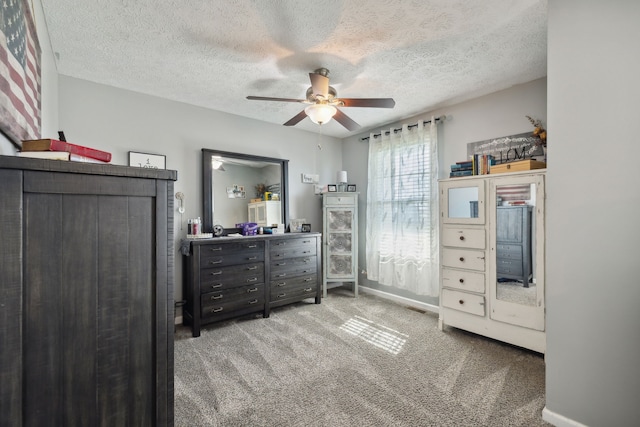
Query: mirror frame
point(207, 188)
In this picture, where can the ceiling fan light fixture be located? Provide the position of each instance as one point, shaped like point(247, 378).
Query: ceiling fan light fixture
point(320, 113)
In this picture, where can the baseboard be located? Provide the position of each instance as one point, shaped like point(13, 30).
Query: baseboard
point(559, 420)
point(401, 300)
point(178, 320)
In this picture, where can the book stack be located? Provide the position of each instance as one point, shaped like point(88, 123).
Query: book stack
point(62, 150)
point(479, 164)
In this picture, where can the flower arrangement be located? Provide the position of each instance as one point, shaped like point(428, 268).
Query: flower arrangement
point(539, 131)
point(260, 189)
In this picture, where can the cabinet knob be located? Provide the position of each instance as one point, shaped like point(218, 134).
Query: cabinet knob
point(461, 280)
point(461, 259)
point(461, 302)
point(461, 237)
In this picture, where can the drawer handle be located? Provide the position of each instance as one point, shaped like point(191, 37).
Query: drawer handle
point(306, 241)
point(282, 275)
point(253, 301)
point(217, 297)
point(461, 302)
point(306, 252)
point(308, 289)
point(216, 249)
point(281, 263)
point(252, 290)
point(252, 279)
point(281, 284)
point(255, 267)
point(215, 262)
point(461, 280)
point(308, 279)
point(216, 273)
point(307, 260)
point(216, 286)
point(252, 246)
point(282, 295)
point(281, 243)
point(461, 237)
point(278, 255)
point(252, 258)
point(217, 310)
point(461, 259)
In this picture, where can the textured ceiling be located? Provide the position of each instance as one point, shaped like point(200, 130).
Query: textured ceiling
point(423, 53)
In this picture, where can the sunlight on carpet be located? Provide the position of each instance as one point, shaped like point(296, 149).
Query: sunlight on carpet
point(375, 334)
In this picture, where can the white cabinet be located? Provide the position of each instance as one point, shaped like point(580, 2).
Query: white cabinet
point(340, 240)
point(475, 293)
point(265, 213)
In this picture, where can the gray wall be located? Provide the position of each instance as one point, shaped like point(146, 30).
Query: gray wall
point(593, 205)
point(498, 114)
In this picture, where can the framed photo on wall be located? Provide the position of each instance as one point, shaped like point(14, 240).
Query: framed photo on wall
point(148, 161)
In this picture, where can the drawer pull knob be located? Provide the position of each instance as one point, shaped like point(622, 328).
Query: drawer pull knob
point(215, 262)
point(252, 290)
point(255, 267)
point(216, 249)
point(252, 279)
point(461, 259)
point(253, 301)
point(461, 280)
point(461, 237)
point(461, 302)
point(217, 297)
point(282, 295)
point(216, 273)
point(217, 309)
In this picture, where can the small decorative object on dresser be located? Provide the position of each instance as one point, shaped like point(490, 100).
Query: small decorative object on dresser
point(351, 188)
point(331, 188)
point(147, 161)
point(306, 228)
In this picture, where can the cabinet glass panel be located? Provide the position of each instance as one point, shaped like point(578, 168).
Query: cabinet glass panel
point(462, 202)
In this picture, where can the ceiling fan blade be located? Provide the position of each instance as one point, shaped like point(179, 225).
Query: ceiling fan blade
point(296, 119)
point(320, 84)
point(267, 98)
point(346, 121)
point(368, 102)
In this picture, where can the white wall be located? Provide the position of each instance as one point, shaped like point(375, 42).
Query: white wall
point(120, 121)
point(593, 205)
point(495, 115)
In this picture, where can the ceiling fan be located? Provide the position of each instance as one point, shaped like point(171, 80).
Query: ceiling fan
point(323, 101)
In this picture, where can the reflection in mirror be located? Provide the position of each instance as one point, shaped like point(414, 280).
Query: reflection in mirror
point(232, 180)
point(463, 202)
point(515, 243)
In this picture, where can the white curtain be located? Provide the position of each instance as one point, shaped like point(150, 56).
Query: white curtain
point(402, 209)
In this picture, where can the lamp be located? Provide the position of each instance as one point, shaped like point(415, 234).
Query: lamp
point(342, 181)
point(320, 113)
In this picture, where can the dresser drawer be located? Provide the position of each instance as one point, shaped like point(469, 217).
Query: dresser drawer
point(308, 283)
point(463, 301)
point(472, 238)
point(339, 200)
point(509, 266)
point(215, 279)
point(223, 307)
point(231, 253)
point(292, 263)
point(300, 242)
point(293, 293)
point(509, 251)
point(463, 280)
point(287, 271)
point(463, 258)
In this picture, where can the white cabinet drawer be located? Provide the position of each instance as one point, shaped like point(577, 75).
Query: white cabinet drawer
point(462, 301)
point(340, 200)
point(463, 279)
point(473, 238)
point(463, 258)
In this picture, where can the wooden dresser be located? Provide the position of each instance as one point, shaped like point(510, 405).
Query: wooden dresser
point(228, 277)
point(86, 294)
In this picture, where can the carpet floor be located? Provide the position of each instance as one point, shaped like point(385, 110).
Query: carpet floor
point(352, 362)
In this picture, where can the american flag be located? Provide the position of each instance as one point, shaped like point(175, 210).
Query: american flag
point(19, 72)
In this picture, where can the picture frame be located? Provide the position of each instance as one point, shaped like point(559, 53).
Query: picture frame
point(147, 160)
point(306, 228)
point(332, 188)
point(351, 188)
point(296, 225)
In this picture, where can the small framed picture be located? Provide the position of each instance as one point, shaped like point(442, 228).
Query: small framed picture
point(147, 161)
point(306, 228)
point(331, 188)
point(351, 188)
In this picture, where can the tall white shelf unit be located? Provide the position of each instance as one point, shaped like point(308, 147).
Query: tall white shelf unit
point(340, 240)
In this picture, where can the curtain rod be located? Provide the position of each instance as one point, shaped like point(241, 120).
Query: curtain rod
point(437, 119)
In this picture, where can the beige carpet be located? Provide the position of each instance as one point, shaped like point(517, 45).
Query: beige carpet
point(352, 362)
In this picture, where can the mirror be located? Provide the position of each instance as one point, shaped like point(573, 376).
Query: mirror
point(463, 202)
point(230, 181)
point(515, 243)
